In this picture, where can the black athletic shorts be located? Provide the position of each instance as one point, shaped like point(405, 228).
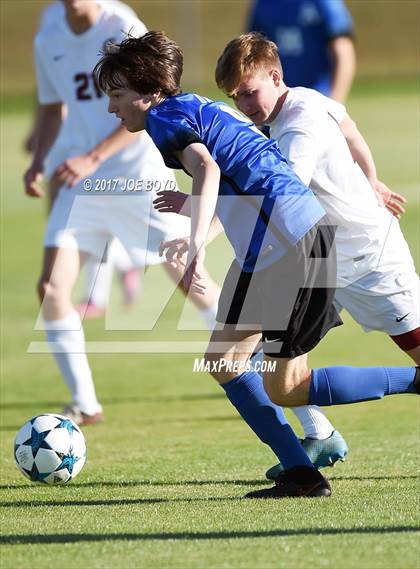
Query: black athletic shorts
point(291, 300)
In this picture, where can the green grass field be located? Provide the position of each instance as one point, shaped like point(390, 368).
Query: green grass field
point(166, 472)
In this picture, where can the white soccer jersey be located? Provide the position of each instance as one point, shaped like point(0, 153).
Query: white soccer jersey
point(56, 10)
point(64, 63)
point(368, 236)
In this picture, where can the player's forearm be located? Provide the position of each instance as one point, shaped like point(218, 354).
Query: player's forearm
point(116, 141)
point(205, 191)
point(359, 149)
point(215, 229)
point(47, 126)
point(343, 53)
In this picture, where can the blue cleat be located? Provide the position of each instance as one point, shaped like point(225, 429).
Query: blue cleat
point(325, 452)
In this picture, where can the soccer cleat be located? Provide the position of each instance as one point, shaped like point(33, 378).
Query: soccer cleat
point(131, 284)
point(323, 452)
point(89, 311)
point(297, 482)
point(74, 413)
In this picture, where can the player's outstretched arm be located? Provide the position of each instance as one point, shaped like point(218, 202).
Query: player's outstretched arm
point(75, 169)
point(205, 173)
point(48, 124)
point(361, 154)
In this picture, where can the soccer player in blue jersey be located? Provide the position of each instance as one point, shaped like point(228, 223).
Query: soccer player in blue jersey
point(314, 40)
point(282, 279)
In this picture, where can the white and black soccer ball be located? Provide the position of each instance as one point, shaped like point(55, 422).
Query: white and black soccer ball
point(50, 448)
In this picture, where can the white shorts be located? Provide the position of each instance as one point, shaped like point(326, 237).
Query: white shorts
point(386, 300)
point(89, 222)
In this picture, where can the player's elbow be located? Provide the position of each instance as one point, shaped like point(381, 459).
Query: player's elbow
point(343, 52)
point(209, 167)
point(349, 128)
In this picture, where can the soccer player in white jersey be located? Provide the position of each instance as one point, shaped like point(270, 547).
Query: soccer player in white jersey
point(97, 274)
point(99, 149)
point(377, 281)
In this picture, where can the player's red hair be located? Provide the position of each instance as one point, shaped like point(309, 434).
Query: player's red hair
point(244, 57)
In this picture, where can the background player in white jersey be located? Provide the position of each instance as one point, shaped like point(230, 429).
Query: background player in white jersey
point(377, 281)
point(97, 274)
point(97, 147)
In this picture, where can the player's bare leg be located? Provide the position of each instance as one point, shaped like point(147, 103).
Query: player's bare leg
point(233, 346)
point(289, 383)
point(60, 270)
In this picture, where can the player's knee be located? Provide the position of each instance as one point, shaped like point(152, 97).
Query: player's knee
point(211, 363)
point(42, 287)
point(49, 293)
point(287, 391)
point(283, 396)
point(277, 392)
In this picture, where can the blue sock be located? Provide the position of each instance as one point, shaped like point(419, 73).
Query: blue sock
point(341, 384)
point(246, 392)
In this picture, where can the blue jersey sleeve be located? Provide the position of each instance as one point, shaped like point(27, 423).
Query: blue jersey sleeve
point(171, 133)
point(336, 18)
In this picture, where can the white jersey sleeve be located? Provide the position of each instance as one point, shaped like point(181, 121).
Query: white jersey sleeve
point(47, 93)
point(335, 109)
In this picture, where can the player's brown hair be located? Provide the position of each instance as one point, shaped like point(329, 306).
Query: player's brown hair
point(150, 64)
point(243, 57)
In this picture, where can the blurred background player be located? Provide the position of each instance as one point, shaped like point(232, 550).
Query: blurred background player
point(96, 146)
point(98, 275)
point(314, 40)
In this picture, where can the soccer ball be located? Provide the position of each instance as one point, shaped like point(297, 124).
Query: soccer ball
point(50, 448)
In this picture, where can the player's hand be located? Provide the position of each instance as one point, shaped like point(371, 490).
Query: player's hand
point(75, 169)
point(193, 276)
point(173, 202)
point(175, 249)
point(389, 199)
point(32, 179)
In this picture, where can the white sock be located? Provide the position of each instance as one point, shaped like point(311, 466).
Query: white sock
point(98, 279)
point(67, 342)
point(209, 316)
point(315, 424)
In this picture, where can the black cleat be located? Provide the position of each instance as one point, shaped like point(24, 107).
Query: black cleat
point(297, 482)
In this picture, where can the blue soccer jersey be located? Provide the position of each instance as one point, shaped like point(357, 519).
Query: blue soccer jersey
point(302, 30)
point(262, 205)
